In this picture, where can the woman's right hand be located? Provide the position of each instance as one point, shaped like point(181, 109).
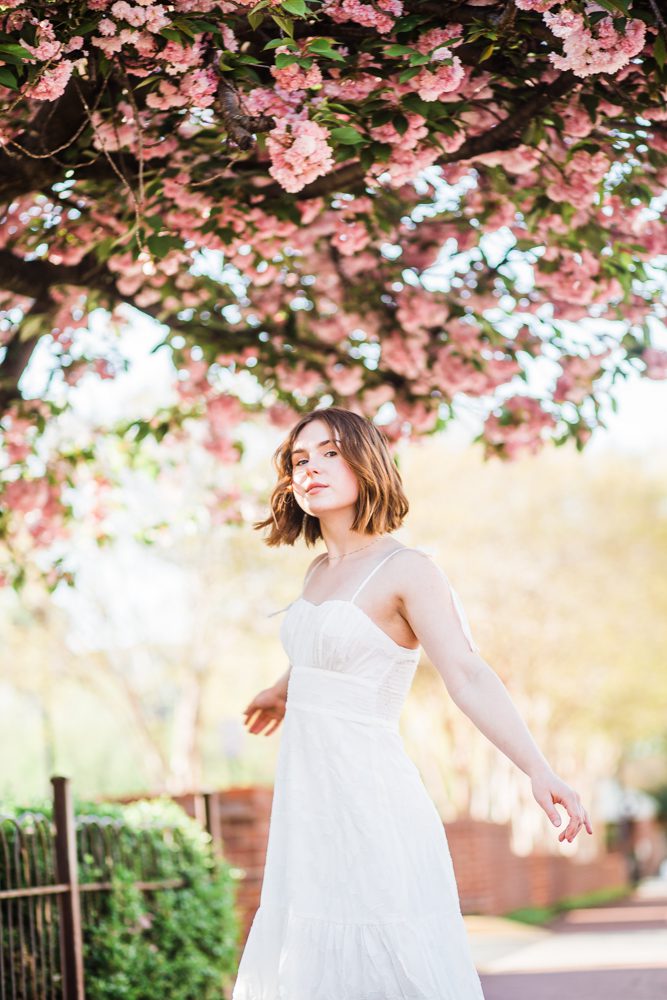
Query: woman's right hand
point(268, 707)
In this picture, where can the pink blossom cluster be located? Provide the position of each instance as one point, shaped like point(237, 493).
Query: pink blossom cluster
point(299, 152)
point(576, 381)
point(151, 16)
point(350, 236)
point(350, 88)
point(421, 416)
point(578, 184)
point(431, 85)
point(520, 160)
point(293, 77)
point(410, 139)
point(18, 435)
point(223, 412)
point(599, 48)
point(418, 310)
point(299, 378)
point(655, 361)
point(405, 164)
point(271, 101)
point(576, 280)
point(537, 5)
point(51, 84)
point(345, 378)
point(576, 120)
point(435, 40)
point(112, 134)
point(408, 157)
point(39, 502)
point(181, 58)
point(380, 14)
point(520, 429)
point(197, 87)
point(46, 47)
point(405, 355)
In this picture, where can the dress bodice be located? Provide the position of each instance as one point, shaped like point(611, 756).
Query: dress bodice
point(339, 638)
point(342, 660)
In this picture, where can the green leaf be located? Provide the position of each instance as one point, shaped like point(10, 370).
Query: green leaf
point(400, 123)
point(7, 79)
point(248, 60)
point(488, 51)
point(13, 49)
point(408, 74)
point(615, 6)
point(296, 7)
point(169, 33)
point(659, 51)
point(399, 50)
point(278, 42)
point(323, 47)
point(413, 102)
point(161, 245)
point(285, 23)
point(255, 18)
point(200, 25)
point(284, 59)
point(384, 116)
point(418, 59)
point(347, 135)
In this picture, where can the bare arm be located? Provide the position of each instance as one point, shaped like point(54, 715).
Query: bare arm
point(476, 689)
point(280, 686)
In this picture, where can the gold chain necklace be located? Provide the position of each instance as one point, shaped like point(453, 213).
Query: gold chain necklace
point(343, 554)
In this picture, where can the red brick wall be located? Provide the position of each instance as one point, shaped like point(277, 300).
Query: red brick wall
point(244, 814)
point(494, 880)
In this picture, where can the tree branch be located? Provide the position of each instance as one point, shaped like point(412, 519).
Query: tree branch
point(507, 133)
point(34, 279)
point(240, 127)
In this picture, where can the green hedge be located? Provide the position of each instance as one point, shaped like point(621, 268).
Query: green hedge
point(163, 944)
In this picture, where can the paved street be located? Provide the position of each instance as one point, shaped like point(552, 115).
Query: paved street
point(617, 951)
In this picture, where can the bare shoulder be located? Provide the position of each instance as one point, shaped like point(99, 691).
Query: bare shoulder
point(412, 570)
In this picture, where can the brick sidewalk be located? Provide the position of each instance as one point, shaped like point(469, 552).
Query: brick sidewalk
point(617, 951)
point(600, 984)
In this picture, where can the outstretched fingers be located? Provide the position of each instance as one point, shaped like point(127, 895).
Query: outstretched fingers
point(578, 816)
point(553, 791)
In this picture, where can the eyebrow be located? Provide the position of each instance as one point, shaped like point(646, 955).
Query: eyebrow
point(326, 441)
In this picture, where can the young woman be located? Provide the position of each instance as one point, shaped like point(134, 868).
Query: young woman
point(359, 899)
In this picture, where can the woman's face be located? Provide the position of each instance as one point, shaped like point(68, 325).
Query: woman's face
point(316, 458)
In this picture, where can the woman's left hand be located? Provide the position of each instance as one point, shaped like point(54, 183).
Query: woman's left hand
point(548, 789)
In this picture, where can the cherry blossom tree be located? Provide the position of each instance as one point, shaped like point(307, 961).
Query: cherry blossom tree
point(365, 202)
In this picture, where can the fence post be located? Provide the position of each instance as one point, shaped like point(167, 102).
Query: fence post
point(67, 871)
point(213, 820)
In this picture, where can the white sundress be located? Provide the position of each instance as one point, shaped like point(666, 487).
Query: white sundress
point(359, 899)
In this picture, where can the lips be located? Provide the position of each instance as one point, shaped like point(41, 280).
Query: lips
point(316, 486)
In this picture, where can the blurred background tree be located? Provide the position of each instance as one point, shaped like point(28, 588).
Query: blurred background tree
point(136, 678)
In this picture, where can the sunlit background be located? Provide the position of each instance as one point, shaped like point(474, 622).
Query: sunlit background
point(135, 680)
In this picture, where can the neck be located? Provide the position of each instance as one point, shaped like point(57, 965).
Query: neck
point(353, 542)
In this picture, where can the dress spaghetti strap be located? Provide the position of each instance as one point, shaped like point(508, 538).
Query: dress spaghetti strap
point(456, 600)
point(381, 563)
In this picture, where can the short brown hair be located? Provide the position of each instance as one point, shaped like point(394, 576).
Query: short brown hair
point(381, 505)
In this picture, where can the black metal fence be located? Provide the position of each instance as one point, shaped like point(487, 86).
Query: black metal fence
point(51, 871)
